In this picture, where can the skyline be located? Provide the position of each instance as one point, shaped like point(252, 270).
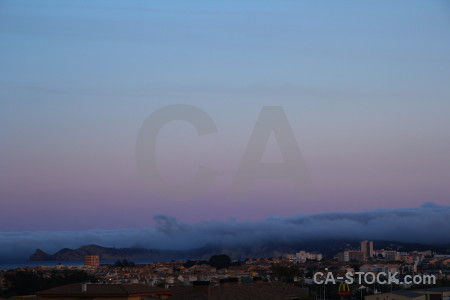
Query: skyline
point(364, 87)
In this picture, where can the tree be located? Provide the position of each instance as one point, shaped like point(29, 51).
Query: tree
point(29, 282)
point(220, 261)
point(124, 264)
point(286, 274)
point(191, 263)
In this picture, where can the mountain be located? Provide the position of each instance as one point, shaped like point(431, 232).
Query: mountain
point(40, 255)
point(264, 249)
point(105, 253)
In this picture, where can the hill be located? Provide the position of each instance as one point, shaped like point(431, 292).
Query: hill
point(264, 249)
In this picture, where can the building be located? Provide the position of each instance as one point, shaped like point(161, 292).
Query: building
point(350, 255)
point(392, 255)
point(83, 291)
point(302, 256)
point(387, 255)
point(377, 268)
point(440, 293)
point(92, 260)
point(367, 249)
point(343, 256)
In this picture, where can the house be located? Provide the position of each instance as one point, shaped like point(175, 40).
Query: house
point(439, 293)
point(397, 295)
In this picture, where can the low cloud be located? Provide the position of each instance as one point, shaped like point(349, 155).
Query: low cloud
point(428, 223)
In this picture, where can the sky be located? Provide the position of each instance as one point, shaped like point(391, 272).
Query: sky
point(362, 86)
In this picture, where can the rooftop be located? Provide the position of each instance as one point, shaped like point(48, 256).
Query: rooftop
point(406, 293)
point(260, 291)
point(95, 290)
point(436, 289)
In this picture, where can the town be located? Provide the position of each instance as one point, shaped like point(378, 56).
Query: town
point(299, 275)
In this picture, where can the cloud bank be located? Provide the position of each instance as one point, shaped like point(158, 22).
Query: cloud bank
point(429, 223)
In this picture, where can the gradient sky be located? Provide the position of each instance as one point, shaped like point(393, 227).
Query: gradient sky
point(365, 86)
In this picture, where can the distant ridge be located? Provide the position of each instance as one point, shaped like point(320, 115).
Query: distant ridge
point(266, 249)
point(105, 253)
